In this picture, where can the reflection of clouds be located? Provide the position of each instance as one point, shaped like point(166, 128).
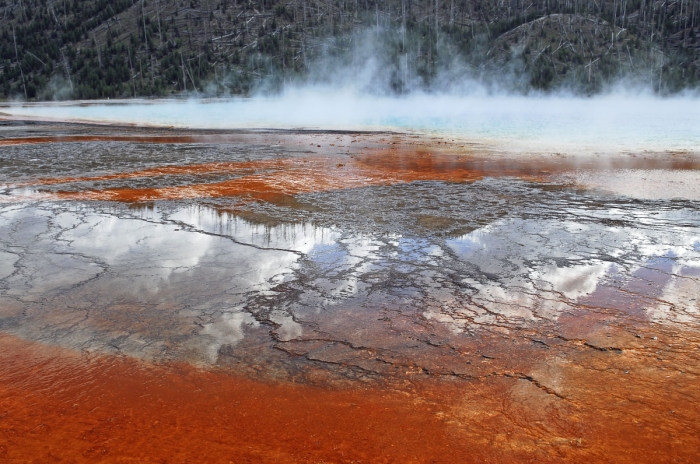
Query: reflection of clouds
point(9, 213)
point(520, 255)
point(19, 226)
point(296, 237)
point(7, 264)
point(679, 246)
point(155, 282)
point(361, 255)
point(679, 301)
point(31, 272)
point(348, 263)
point(540, 268)
point(185, 291)
point(226, 330)
point(342, 264)
point(574, 281)
point(7, 260)
point(288, 328)
point(510, 302)
point(141, 245)
point(471, 242)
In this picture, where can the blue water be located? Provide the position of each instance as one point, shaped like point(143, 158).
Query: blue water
point(530, 123)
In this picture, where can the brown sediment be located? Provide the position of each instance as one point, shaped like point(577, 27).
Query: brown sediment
point(265, 180)
point(403, 376)
point(270, 179)
point(449, 163)
point(575, 402)
point(283, 177)
point(243, 167)
point(379, 165)
point(57, 404)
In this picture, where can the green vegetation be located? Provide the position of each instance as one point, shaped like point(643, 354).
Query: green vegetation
point(87, 49)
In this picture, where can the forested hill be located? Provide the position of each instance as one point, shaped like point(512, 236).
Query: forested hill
point(58, 49)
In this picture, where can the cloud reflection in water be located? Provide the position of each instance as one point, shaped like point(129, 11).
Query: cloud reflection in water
point(539, 268)
point(186, 282)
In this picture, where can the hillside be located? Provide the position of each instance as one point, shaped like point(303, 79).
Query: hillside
point(59, 49)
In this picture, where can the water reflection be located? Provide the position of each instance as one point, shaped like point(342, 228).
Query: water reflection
point(227, 330)
point(300, 237)
point(178, 281)
point(532, 269)
point(643, 183)
point(147, 281)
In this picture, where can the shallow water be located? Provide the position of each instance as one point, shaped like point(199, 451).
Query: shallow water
point(446, 298)
point(553, 124)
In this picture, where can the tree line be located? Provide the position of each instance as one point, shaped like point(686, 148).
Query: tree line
point(88, 49)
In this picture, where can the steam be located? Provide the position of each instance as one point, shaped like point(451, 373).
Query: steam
point(375, 79)
point(393, 61)
point(57, 89)
point(614, 122)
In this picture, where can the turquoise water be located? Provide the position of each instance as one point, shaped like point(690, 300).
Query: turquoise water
point(521, 123)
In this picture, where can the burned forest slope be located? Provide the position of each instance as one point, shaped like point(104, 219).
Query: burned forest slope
point(89, 49)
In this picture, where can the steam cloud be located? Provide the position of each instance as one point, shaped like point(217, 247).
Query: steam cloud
point(614, 122)
point(360, 82)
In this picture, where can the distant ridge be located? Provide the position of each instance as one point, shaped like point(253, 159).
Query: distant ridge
point(88, 49)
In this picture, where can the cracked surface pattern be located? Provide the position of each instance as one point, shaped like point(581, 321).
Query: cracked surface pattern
point(537, 314)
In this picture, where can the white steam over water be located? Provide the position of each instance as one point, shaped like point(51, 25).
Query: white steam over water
point(555, 123)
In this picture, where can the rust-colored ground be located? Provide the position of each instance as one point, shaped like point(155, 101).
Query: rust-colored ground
point(596, 387)
point(62, 406)
point(383, 162)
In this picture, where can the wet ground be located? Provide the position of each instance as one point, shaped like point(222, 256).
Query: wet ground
point(301, 296)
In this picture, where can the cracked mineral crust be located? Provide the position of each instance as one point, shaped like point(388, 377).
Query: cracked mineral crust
point(533, 309)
